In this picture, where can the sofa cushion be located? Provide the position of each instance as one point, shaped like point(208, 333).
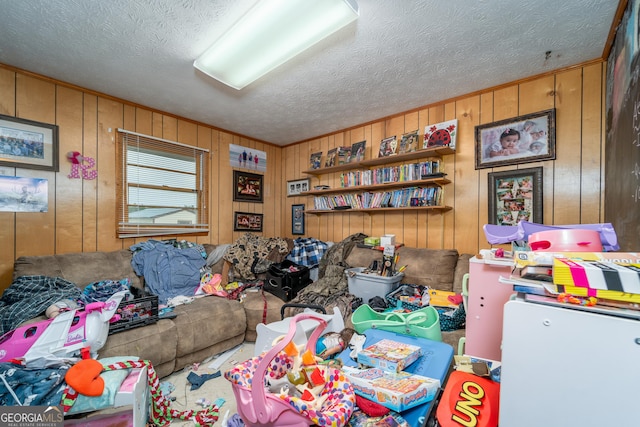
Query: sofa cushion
point(254, 306)
point(428, 267)
point(206, 321)
point(80, 268)
point(156, 342)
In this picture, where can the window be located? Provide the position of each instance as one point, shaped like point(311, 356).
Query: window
point(162, 187)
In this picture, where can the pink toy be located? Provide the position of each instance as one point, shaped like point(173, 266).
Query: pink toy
point(259, 408)
point(64, 336)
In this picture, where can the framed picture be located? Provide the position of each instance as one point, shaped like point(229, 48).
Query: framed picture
point(247, 221)
point(297, 187)
point(388, 146)
point(524, 139)
point(28, 144)
point(297, 219)
point(315, 160)
point(515, 196)
point(357, 151)
point(408, 142)
point(247, 187)
point(441, 134)
point(331, 158)
point(343, 155)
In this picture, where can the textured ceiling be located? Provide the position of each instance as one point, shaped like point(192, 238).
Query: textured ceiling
point(399, 55)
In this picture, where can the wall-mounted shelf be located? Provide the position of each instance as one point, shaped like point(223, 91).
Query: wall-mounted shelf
point(396, 158)
point(375, 210)
point(376, 187)
point(385, 194)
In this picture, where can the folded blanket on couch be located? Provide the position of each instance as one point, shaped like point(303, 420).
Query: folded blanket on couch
point(29, 296)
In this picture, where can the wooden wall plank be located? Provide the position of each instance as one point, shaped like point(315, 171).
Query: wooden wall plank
point(465, 189)
point(567, 167)
point(7, 92)
point(591, 178)
point(482, 176)
point(90, 187)
point(69, 110)
point(110, 118)
point(35, 232)
point(7, 219)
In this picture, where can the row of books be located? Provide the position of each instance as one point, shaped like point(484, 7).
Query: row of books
point(402, 173)
point(431, 196)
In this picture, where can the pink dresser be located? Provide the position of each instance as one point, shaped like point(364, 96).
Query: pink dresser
point(485, 305)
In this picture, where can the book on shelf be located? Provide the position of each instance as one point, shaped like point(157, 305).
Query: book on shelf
point(357, 151)
point(388, 146)
point(316, 160)
point(343, 155)
point(408, 142)
point(331, 158)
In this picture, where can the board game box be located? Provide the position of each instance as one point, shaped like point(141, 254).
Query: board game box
point(397, 391)
point(389, 355)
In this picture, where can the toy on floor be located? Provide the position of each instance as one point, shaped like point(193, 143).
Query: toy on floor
point(325, 396)
point(267, 333)
point(40, 344)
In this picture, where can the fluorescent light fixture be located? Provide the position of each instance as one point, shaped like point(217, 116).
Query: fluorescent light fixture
point(270, 34)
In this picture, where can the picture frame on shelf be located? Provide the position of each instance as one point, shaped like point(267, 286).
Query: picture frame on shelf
point(247, 221)
point(28, 144)
point(297, 219)
point(297, 187)
point(343, 155)
point(515, 195)
point(357, 151)
point(315, 160)
point(441, 134)
point(388, 146)
point(331, 158)
point(522, 139)
point(408, 142)
point(247, 187)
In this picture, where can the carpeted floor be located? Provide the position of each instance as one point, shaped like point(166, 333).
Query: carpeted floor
point(210, 389)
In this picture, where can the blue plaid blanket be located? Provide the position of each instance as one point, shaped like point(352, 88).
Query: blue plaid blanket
point(307, 251)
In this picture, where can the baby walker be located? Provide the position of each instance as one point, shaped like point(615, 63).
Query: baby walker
point(260, 408)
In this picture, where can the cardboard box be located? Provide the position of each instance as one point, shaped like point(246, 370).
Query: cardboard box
point(397, 391)
point(388, 239)
point(389, 355)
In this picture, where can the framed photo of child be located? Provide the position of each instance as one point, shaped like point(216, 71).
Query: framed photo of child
point(523, 139)
point(515, 195)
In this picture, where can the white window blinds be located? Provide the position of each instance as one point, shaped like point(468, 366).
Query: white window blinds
point(162, 187)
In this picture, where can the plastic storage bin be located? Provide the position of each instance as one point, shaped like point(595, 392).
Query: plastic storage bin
point(369, 285)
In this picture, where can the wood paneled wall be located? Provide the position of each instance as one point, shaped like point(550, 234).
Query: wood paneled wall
point(573, 184)
point(82, 217)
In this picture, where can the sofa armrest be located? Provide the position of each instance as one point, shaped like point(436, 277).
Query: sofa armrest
point(462, 268)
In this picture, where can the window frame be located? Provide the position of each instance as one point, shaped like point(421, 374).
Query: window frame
point(128, 228)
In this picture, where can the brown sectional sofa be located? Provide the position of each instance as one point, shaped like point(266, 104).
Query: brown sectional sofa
point(205, 327)
point(211, 325)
